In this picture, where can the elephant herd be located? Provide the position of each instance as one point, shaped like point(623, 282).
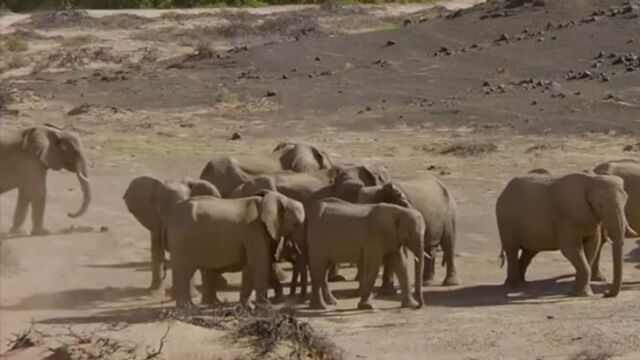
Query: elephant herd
point(317, 215)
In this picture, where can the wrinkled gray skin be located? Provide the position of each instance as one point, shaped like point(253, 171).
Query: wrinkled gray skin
point(25, 158)
point(302, 157)
point(339, 231)
point(437, 206)
point(228, 235)
point(150, 200)
point(541, 212)
point(343, 182)
point(629, 171)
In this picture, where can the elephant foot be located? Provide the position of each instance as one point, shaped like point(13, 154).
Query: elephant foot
point(17, 230)
point(512, 283)
point(410, 304)
point(316, 305)
point(582, 292)
point(387, 290)
point(156, 291)
point(331, 300)
point(428, 282)
point(599, 277)
point(337, 278)
point(278, 299)
point(40, 232)
point(365, 306)
point(451, 280)
point(185, 306)
point(210, 301)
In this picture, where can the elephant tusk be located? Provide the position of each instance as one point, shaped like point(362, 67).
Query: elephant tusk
point(84, 178)
point(426, 255)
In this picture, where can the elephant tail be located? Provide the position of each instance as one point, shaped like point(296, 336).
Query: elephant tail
point(501, 256)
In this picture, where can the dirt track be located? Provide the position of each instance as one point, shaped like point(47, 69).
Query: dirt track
point(365, 100)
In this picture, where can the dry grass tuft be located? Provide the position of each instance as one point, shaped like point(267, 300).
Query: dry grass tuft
point(463, 148)
point(593, 354)
point(266, 329)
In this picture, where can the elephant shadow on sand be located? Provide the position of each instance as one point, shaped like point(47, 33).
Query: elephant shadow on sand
point(79, 299)
point(634, 255)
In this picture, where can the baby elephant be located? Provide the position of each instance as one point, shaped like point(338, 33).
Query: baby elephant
point(228, 235)
point(338, 231)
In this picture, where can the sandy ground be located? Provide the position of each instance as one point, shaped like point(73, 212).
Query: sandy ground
point(362, 98)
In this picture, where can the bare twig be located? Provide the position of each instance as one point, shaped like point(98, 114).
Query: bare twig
point(155, 353)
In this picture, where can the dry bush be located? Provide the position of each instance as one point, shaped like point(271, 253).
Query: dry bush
point(23, 340)
point(78, 41)
point(266, 330)
point(15, 44)
point(63, 18)
point(463, 148)
point(593, 354)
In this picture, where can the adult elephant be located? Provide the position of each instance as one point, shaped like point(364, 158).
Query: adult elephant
point(629, 171)
point(150, 200)
point(229, 235)
point(436, 204)
point(25, 158)
point(339, 231)
point(302, 157)
point(543, 212)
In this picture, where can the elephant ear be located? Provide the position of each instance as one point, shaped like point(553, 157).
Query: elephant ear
point(323, 159)
point(201, 187)
point(271, 213)
point(140, 199)
point(282, 145)
point(394, 195)
point(42, 143)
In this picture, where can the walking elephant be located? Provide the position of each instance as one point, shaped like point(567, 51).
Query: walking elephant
point(150, 200)
point(338, 231)
point(629, 171)
point(229, 235)
point(432, 199)
point(25, 158)
point(302, 157)
point(543, 212)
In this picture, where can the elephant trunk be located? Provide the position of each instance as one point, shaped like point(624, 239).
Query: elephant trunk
point(83, 179)
point(615, 225)
point(418, 250)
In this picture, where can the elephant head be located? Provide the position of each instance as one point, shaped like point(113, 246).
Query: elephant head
point(226, 174)
point(347, 181)
point(57, 149)
point(410, 228)
point(254, 186)
point(280, 215)
point(607, 199)
point(150, 199)
point(387, 193)
point(301, 157)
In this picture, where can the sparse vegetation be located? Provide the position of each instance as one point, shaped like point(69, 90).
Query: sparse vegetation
point(266, 329)
point(462, 148)
point(226, 96)
point(593, 354)
point(78, 41)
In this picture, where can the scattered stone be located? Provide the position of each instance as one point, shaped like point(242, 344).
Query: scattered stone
point(271, 93)
point(503, 37)
point(407, 22)
point(368, 108)
point(632, 147)
point(534, 103)
point(104, 228)
point(235, 136)
point(284, 76)
point(318, 58)
point(390, 43)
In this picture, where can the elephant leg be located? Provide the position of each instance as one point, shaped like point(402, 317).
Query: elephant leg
point(449, 253)
point(596, 271)
point(334, 276)
point(295, 274)
point(318, 270)
point(388, 287)
point(210, 286)
point(575, 255)
point(326, 292)
point(304, 278)
point(274, 282)
point(398, 262)
point(246, 286)
point(523, 262)
point(429, 272)
point(370, 269)
point(38, 202)
point(157, 263)
point(19, 216)
point(513, 271)
point(182, 277)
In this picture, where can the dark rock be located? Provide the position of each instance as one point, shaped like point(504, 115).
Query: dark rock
point(390, 43)
point(503, 37)
point(368, 108)
point(271, 93)
point(407, 22)
point(104, 228)
point(284, 76)
point(318, 58)
point(600, 55)
point(235, 136)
